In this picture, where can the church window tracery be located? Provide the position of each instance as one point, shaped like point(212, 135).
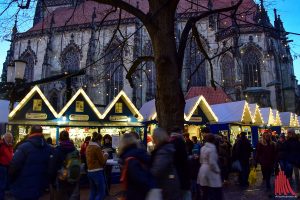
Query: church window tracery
point(195, 74)
point(251, 67)
point(227, 71)
point(113, 68)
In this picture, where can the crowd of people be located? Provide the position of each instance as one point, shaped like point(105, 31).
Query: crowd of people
point(172, 166)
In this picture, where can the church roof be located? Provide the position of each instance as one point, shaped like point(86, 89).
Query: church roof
point(67, 16)
point(211, 95)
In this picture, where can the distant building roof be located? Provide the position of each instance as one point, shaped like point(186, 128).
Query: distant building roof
point(211, 95)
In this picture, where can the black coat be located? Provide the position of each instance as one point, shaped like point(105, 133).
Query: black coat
point(291, 148)
point(139, 178)
point(243, 151)
point(181, 161)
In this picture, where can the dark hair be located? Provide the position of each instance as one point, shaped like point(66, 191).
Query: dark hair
point(49, 140)
point(186, 135)
point(194, 138)
point(107, 136)
point(205, 130)
point(135, 134)
point(243, 134)
point(87, 138)
point(209, 138)
point(96, 137)
point(36, 129)
point(64, 135)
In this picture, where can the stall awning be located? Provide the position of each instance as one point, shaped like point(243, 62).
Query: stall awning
point(276, 117)
point(148, 110)
point(256, 115)
point(287, 119)
point(233, 112)
point(194, 108)
point(267, 115)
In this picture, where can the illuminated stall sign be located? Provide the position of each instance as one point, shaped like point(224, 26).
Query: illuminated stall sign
point(79, 108)
point(34, 106)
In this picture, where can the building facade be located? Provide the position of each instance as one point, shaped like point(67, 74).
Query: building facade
point(252, 58)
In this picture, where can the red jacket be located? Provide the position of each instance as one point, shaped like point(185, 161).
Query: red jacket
point(83, 148)
point(6, 153)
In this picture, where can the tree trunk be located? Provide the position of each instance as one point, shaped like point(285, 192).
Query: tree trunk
point(169, 96)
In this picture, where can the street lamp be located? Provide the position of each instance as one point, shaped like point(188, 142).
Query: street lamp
point(20, 66)
point(10, 73)
point(15, 76)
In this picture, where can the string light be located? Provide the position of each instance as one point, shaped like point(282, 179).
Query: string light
point(88, 100)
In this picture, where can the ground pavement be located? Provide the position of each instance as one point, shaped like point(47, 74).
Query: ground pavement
point(232, 191)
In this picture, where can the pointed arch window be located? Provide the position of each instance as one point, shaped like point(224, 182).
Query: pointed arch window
point(227, 71)
point(113, 66)
point(70, 60)
point(29, 70)
point(251, 67)
point(150, 73)
point(195, 69)
point(30, 58)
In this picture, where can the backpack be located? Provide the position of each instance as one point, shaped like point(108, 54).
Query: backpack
point(70, 171)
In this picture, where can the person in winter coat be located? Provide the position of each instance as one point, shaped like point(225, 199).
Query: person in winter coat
point(6, 154)
point(242, 153)
point(83, 150)
point(280, 154)
point(136, 177)
point(181, 162)
point(209, 176)
point(107, 147)
point(28, 168)
point(195, 166)
point(265, 155)
point(291, 148)
point(188, 143)
point(163, 168)
point(95, 162)
point(63, 189)
point(224, 157)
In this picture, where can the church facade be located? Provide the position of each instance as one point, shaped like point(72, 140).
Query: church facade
point(252, 58)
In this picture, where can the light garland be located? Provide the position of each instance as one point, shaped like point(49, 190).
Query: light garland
point(34, 90)
point(204, 106)
point(91, 104)
point(130, 105)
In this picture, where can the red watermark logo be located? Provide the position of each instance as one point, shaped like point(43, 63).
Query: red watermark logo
point(283, 188)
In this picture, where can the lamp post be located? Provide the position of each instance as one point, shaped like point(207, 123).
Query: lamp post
point(15, 77)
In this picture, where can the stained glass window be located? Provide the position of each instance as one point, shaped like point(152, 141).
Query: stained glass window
point(227, 71)
point(194, 70)
point(251, 67)
point(113, 68)
point(150, 74)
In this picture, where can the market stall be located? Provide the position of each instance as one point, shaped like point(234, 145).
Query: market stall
point(287, 120)
point(79, 117)
point(258, 122)
point(34, 109)
point(198, 114)
point(233, 118)
point(121, 116)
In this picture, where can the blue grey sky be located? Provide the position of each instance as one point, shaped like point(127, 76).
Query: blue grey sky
point(289, 11)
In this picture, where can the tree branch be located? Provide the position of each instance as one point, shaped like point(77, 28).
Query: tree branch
point(202, 50)
point(134, 66)
point(192, 21)
point(127, 7)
